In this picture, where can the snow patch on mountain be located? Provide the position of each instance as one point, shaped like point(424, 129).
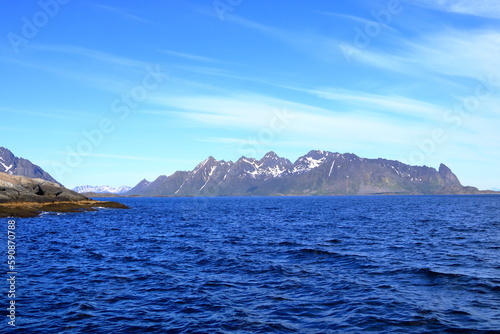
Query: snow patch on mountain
point(270, 166)
point(305, 164)
point(6, 168)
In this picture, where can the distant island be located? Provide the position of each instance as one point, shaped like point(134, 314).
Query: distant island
point(316, 173)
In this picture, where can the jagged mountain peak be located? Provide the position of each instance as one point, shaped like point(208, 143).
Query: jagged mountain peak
point(270, 155)
point(210, 162)
point(10, 164)
point(448, 176)
point(317, 152)
point(245, 159)
point(143, 182)
point(159, 178)
point(320, 154)
point(205, 163)
point(443, 169)
point(311, 160)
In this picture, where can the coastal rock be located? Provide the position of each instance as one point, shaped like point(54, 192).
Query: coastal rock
point(24, 197)
point(23, 189)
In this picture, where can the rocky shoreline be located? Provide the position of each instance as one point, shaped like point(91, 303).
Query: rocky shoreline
point(22, 197)
point(33, 209)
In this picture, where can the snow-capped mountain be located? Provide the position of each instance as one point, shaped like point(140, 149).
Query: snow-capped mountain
point(310, 161)
point(13, 165)
point(101, 189)
point(316, 173)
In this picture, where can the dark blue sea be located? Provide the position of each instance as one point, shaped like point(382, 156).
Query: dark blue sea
point(388, 264)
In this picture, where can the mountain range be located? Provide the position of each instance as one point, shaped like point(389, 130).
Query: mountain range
point(316, 173)
point(101, 189)
point(10, 164)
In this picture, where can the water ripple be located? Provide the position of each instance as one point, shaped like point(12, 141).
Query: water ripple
point(265, 265)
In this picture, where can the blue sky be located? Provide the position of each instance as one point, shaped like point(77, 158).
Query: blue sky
point(111, 92)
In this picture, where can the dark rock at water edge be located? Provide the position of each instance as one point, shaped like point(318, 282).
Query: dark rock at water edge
point(25, 197)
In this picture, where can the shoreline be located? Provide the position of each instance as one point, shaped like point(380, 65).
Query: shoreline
point(34, 209)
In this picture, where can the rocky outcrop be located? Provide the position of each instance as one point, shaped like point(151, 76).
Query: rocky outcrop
point(25, 197)
point(23, 189)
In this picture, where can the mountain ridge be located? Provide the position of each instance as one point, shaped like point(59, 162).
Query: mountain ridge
point(316, 173)
point(12, 165)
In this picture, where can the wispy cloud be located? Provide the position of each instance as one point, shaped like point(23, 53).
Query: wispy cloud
point(89, 67)
point(252, 112)
point(483, 8)
point(121, 157)
point(392, 104)
point(355, 121)
point(190, 56)
point(352, 18)
point(449, 52)
point(90, 54)
point(319, 46)
point(67, 115)
point(126, 13)
point(454, 53)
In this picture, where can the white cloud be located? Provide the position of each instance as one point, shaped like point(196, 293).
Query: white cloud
point(91, 54)
point(458, 53)
point(319, 46)
point(383, 104)
point(451, 53)
point(252, 113)
point(123, 12)
point(66, 115)
point(361, 20)
point(483, 8)
point(190, 56)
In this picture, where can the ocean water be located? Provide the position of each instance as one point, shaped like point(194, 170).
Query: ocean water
point(389, 264)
